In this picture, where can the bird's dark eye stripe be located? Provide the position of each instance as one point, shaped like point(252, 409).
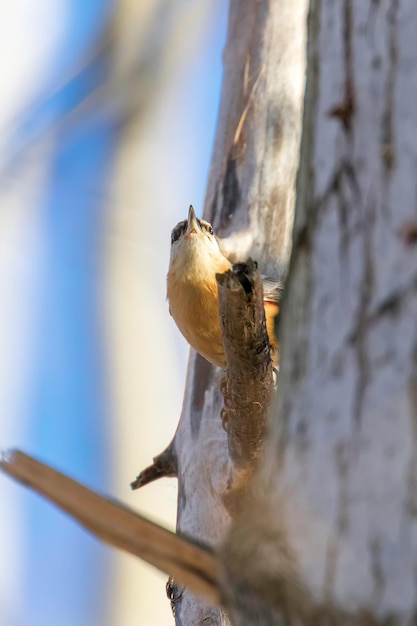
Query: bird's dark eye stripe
point(207, 227)
point(178, 231)
point(181, 227)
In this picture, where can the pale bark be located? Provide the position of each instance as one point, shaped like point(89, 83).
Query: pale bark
point(337, 489)
point(249, 199)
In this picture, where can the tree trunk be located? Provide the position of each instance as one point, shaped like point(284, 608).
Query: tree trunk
point(329, 534)
point(337, 486)
point(249, 199)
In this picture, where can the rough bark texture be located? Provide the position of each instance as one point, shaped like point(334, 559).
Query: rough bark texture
point(248, 384)
point(337, 487)
point(249, 200)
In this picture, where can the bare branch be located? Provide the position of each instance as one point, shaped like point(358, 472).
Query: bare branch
point(192, 565)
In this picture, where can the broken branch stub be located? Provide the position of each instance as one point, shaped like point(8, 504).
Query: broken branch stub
point(164, 465)
point(249, 371)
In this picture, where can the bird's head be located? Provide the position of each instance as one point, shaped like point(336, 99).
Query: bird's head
point(193, 241)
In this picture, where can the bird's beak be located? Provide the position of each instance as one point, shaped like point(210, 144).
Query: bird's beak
point(193, 226)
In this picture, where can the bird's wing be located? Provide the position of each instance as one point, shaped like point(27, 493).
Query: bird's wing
point(273, 289)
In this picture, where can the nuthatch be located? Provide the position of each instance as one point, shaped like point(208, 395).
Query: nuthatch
point(192, 289)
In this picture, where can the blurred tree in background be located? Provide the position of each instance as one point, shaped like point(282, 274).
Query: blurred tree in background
point(106, 126)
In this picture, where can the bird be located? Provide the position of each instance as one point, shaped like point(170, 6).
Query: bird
point(195, 260)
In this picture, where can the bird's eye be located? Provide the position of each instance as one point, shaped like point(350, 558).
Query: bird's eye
point(206, 227)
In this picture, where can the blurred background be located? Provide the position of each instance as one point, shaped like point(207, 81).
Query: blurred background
point(107, 117)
